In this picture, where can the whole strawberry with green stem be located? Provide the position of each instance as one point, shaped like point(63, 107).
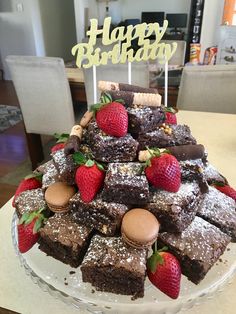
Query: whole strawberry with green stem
point(89, 177)
point(163, 170)
point(31, 182)
point(61, 141)
point(226, 189)
point(28, 228)
point(164, 271)
point(170, 115)
point(111, 116)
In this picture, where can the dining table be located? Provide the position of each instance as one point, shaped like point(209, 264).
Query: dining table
point(216, 131)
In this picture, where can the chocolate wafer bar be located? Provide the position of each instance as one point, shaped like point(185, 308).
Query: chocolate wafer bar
point(131, 98)
point(114, 86)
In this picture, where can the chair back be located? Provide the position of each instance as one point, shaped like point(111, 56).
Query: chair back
point(116, 73)
point(208, 88)
point(43, 92)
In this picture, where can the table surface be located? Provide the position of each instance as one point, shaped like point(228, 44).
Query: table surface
point(17, 291)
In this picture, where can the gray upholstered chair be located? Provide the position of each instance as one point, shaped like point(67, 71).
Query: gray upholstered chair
point(116, 73)
point(208, 88)
point(45, 99)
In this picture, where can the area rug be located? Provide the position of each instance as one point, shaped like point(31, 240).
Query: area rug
point(9, 116)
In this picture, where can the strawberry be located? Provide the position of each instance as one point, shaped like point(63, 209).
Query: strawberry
point(31, 182)
point(163, 171)
point(57, 147)
point(226, 189)
point(164, 272)
point(27, 229)
point(111, 117)
point(61, 141)
point(89, 177)
point(170, 114)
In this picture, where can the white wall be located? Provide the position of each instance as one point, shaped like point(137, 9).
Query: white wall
point(16, 33)
point(58, 24)
point(124, 9)
point(212, 18)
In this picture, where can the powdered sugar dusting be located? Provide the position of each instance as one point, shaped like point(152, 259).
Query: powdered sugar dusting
point(29, 201)
point(113, 251)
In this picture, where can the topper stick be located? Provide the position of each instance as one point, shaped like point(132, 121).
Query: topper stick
point(94, 84)
point(129, 72)
point(166, 84)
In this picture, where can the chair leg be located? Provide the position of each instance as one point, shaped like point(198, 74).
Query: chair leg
point(35, 149)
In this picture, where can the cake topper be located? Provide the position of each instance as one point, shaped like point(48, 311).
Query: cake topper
point(87, 55)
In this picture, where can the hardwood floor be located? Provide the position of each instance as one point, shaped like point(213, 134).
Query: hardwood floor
point(13, 148)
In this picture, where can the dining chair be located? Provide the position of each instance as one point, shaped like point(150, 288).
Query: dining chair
point(116, 73)
point(208, 88)
point(45, 99)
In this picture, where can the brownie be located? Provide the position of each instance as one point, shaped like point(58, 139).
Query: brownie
point(126, 183)
point(197, 248)
point(65, 166)
point(64, 239)
point(175, 211)
point(50, 175)
point(111, 265)
point(220, 210)
point(102, 216)
point(144, 119)
point(212, 175)
point(108, 148)
point(30, 201)
point(193, 170)
point(181, 135)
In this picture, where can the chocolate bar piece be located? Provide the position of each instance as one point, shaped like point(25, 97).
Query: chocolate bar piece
point(102, 216)
point(220, 210)
point(111, 265)
point(197, 248)
point(187, 152)
point(109, 148)
point(64, 239)
point(175, 211)
point(144, 119)
point(181, 135)
point(126, 183)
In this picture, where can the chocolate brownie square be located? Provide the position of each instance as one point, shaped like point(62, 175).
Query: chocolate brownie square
point(126, 183)
point(193, 170)
point(108, 148)
point(175, 211)
point(65, 166)
point(197, 248)
point(144, 119)
point(65, 239)
point(30, 201)
point(111, 265)
point(102, 216)
point(50, 174)
point(212, 174)
point(220, 210)
point(181, 135)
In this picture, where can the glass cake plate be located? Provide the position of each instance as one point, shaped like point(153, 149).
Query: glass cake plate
point(65, 283)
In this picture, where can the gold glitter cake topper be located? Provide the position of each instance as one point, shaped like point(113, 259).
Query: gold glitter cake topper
point(87, 55)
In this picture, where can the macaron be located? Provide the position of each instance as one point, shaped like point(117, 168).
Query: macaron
point(139, 228)
point(57, 196)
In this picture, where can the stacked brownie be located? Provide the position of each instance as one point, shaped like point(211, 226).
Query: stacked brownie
point(196, 223)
